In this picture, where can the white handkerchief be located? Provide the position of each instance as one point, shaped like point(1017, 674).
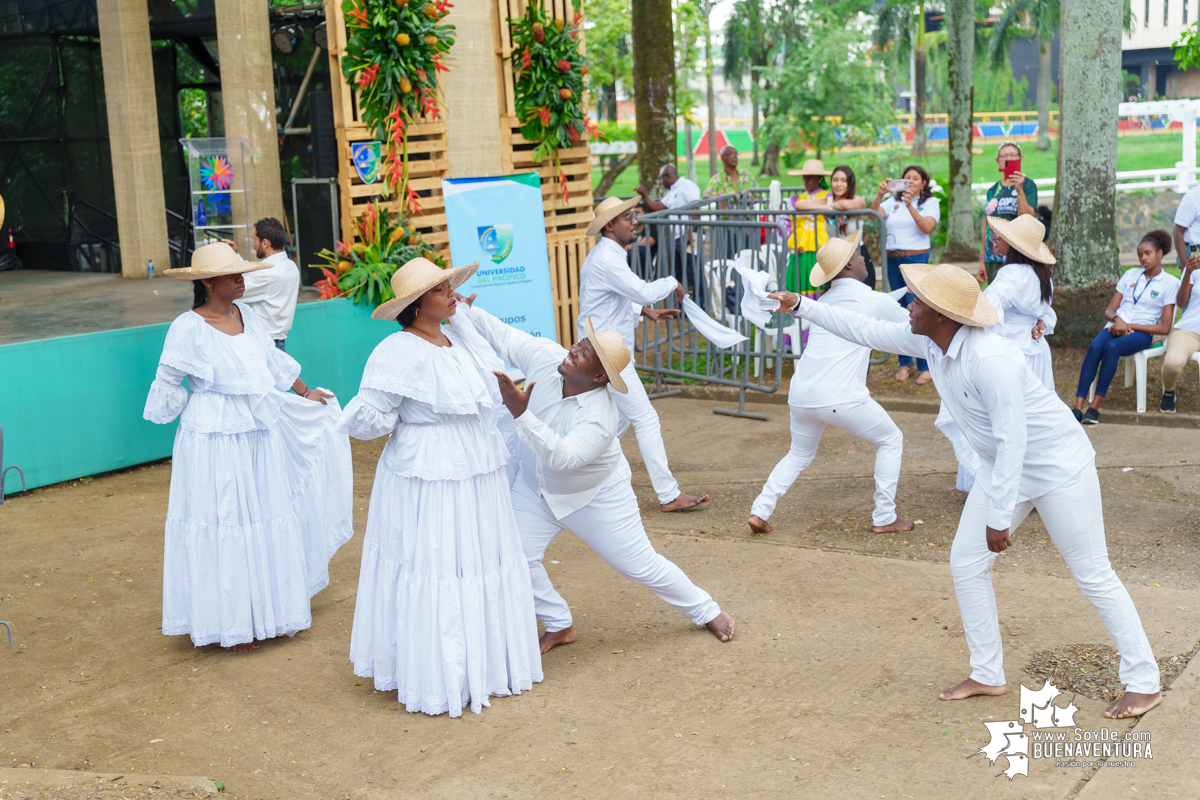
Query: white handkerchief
point(756, 306)
point(714, 331)
point(898, 294)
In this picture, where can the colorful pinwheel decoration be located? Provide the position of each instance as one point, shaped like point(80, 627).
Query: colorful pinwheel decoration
point(216, 173)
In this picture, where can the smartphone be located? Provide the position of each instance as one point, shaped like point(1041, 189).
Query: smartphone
point(1010, 166)
point(897, 185)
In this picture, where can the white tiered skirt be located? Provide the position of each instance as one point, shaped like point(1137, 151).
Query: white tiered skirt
point(252, 522)
point(444, 613)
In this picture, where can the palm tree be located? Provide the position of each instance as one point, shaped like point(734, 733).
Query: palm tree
point(747, 50)
point(893, 23)
point(1037, 20)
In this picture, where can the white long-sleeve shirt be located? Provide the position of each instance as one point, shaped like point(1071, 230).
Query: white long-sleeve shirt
point(570, 443)
point(612, 295)
point(1025, 435)
point(833, 370)
point(272, 293)
point(1016, 294)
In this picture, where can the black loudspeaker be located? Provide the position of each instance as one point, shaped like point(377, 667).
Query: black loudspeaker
point(315, 202)
point(324, 137)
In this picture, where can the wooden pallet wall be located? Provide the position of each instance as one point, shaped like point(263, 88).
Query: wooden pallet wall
point(428, 156)
point(566, 221)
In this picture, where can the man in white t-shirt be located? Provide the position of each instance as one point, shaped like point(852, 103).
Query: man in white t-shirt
point(1185, 336)
point(679, 192)
point(272, 293)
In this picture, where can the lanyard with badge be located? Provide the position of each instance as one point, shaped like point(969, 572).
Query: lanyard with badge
point(1135, 294)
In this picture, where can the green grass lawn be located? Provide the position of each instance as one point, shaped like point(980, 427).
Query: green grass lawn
point(1153, 151)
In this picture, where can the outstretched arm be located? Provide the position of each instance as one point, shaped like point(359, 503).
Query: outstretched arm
point(516, 347)
point(890, 337)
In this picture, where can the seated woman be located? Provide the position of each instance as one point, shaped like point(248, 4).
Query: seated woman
point(1142, 307)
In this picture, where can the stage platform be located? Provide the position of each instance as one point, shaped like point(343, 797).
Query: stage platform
point(42, 304)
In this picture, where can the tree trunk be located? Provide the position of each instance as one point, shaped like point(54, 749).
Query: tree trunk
point(708, 81)
point(771, 160)
point(754, 132)
point(613, 173)
point(1044, 85)
point(1090, 71)
point(960, 46)
point(918, 148)
point(653, 87)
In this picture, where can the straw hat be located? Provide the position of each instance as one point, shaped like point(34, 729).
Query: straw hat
point(212, 260)
point(952, 292)
point(607, 211)
point(414, 279)
point(614, 355)
point(813, 166)
point(832, 258)
point(1027, 234)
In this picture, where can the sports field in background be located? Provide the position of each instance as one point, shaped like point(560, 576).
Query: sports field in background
point(1134, 152)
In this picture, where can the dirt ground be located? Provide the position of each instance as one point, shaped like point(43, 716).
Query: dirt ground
point(844, 639)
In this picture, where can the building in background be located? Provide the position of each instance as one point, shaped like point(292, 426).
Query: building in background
point(1149, 53)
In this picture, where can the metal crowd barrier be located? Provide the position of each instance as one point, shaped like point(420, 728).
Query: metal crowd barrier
point(700, 244)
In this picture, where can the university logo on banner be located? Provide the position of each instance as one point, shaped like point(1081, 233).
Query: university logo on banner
point(496, 241)
point(366, 157)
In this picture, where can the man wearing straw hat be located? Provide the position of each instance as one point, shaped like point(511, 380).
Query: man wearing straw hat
point(830, 388)
point(1033, 455)
point(612, 295)
point(573, 474)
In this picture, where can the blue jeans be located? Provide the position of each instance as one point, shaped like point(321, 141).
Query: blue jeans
point(896, 280)
point(1104, 352)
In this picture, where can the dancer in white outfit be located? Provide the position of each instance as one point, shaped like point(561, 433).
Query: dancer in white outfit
point(615, 298)
point(830, 388)
point(1033, 455)
point(261, 484)
point(1022, 293)
point(444, 613)
point(573, 474)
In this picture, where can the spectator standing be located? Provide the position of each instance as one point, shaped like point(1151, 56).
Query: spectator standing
point(1008, 199)
point(730, 179)
point(272, 293)
point(1142, 307)
point(1185, 338)
point(912, 214)
point(843, 196)
point(680, 191)
point(809, 233)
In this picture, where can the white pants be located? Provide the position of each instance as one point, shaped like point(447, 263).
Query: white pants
point(1074, 517)
point(612, 526)
point(635, 409)
point(864, 420)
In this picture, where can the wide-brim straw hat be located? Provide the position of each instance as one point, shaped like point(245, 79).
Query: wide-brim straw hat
point(607, 211)
point(1027, 234)
point(213, 260)
point(952, 292)
point(833, 257)
point(614, 355)
point(414, 279)
point(813, 166)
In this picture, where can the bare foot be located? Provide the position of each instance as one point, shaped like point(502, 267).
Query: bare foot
point(903, 374)
point(721, 627)
point(970, 688)
point(758, 524)
point(1132, 704)
point(549, 640)
point(684, 501)
point(924, 378)
point(245, 647)
point(898, 524)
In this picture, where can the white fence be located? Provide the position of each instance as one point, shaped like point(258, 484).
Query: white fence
point(1175, 179)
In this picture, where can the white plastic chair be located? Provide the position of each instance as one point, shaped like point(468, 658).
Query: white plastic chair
point(1135, 371)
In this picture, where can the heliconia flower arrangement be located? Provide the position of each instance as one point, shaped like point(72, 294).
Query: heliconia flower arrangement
point(394, 52)
point(549, 73)
point(363, 271)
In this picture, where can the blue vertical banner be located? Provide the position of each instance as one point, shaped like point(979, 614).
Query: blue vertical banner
point(499, 222)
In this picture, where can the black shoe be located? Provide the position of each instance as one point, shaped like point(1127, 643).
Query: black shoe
point(1092, 417)
point(1078, 414)
point(1167, 405)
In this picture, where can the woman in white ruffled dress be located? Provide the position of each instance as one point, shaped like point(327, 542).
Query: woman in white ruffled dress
point(261, 482)
point(1022, 292)
point(444, 613)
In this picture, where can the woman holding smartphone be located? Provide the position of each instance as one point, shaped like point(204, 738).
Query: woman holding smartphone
point(912, 213)
point(1010, 197)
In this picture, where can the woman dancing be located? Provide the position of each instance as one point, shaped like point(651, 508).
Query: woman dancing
point(261, 484)
point(445, 613)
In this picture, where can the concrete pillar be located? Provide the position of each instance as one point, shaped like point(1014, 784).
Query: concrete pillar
point(133, 135)
point(248, 97)
point(470, 91)
point(1151, 81)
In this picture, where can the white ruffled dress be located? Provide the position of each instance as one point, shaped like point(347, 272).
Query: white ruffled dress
point(261, 485)
point(444, 613)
